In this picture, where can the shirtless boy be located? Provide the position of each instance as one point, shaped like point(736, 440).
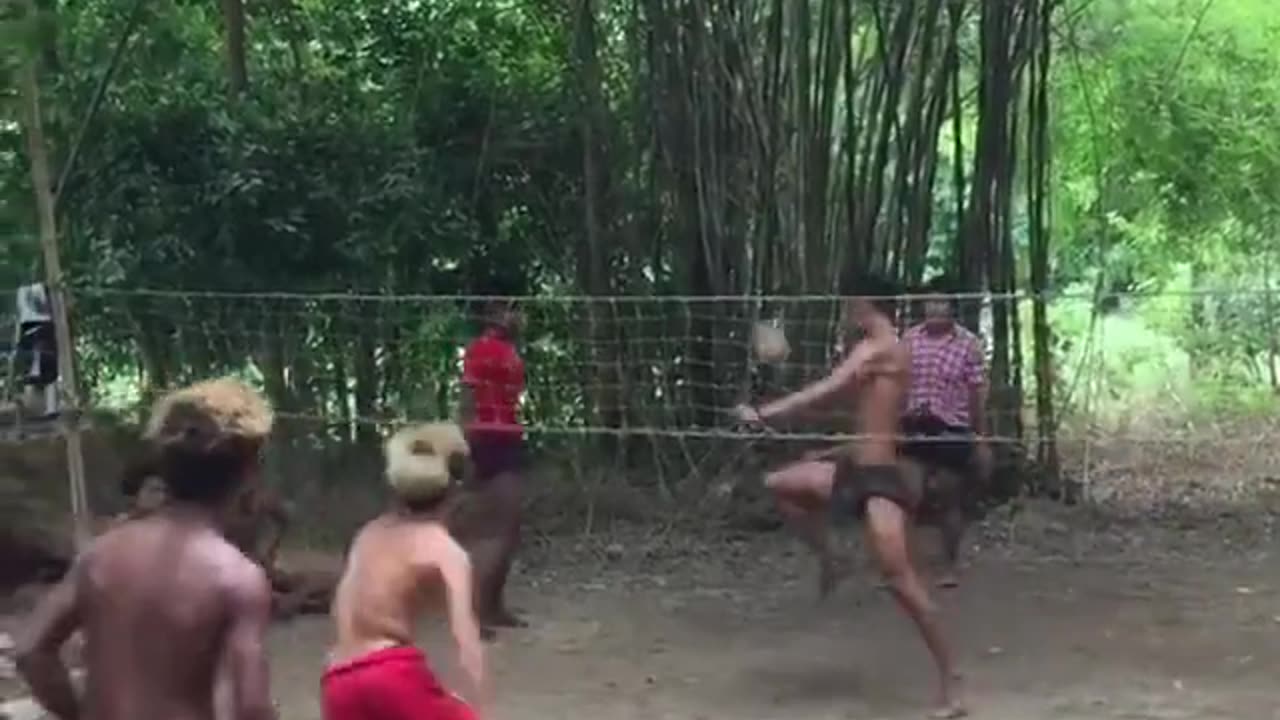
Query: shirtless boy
point(164, 601)
point(400, 564)
point(867, 479)
point(144, 488)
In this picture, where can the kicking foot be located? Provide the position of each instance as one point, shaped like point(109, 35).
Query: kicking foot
point(831, 572)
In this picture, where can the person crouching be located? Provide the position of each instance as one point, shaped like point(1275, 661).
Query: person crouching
point(400, 565)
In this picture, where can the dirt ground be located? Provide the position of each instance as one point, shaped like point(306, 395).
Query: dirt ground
point(1060, 617)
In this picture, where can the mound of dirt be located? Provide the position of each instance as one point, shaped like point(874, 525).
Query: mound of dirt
point(35, 522)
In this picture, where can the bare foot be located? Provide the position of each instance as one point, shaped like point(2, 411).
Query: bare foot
point(831, 572)
point(947, 712)
point(949, 703)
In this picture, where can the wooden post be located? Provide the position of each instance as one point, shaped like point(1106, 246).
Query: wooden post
point(45, 204)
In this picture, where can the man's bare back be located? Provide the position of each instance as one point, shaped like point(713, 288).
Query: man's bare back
point(166, 604)
point(394, 573)
point(155, 596)
point(401, 564)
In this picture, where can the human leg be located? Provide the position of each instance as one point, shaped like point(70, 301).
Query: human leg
point(951, 525)
point(953, 478)
point(803, 493)
point(886, 528)
point(505, 494)
point(495, 524)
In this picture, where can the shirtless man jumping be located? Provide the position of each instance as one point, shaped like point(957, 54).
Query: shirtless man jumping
point(400, 564)
point(867, 479)
point(164, 601)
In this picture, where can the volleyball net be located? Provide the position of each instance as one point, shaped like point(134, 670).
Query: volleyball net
point(638, 390)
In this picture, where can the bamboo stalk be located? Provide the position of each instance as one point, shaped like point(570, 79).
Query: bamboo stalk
point(58, 296)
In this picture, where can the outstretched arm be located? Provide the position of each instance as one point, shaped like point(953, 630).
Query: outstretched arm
point(39, 658)
point(844, 375)
point(244, 653)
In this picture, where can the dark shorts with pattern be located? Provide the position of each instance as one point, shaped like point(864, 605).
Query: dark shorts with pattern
point(853, 485)
point(495, 453)
point(934, 443)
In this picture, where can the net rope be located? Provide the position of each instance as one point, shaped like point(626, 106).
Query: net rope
point(612, 366)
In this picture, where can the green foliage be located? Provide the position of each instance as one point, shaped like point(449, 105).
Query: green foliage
point(1168, 177)
point(436, 147)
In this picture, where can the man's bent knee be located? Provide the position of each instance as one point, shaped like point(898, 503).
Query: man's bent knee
point(809, 479)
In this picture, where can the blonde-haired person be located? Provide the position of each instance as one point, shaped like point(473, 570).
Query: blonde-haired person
point(165, 601)
point(401, 564)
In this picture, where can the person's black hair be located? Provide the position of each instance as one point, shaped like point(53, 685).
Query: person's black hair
point(136, 472)
point(944, 286)
point(206, 476)
point(880, 292)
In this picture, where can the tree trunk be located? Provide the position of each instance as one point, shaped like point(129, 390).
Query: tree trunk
point(233, 20)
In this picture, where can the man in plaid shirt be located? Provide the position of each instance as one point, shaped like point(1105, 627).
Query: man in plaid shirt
point(945, 423)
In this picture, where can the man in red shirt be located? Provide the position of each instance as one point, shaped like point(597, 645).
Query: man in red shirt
point(945, 422)
point(492, 383)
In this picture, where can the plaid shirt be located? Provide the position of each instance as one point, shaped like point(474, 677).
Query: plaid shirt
point(944, 371)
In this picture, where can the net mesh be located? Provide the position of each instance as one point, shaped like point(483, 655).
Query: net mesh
point(630, 396)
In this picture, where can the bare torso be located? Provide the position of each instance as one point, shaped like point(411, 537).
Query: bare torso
point(153, 599)
point(383, 588)
point(879, 398)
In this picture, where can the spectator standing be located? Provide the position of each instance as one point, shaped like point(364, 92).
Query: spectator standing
point(945, 423)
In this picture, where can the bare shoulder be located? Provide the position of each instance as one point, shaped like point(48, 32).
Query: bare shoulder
point(889, 351)
point(436, 548)
point(243, 580)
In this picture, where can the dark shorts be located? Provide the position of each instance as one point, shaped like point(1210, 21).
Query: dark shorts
point(495, 453)
point(37, 353)
point(934, 443)
point(853, 485)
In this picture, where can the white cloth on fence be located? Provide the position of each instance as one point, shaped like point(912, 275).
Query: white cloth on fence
point(33, 304)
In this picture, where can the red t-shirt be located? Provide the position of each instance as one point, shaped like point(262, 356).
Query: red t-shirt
point(492, 368)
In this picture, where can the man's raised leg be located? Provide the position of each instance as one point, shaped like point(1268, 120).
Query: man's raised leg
point(886, 527)
point(803, 494)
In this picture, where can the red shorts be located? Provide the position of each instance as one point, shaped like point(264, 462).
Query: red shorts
point(391, 684)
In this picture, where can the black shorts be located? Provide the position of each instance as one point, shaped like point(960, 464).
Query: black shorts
point(37, 354)
point(934, 443)
point(853, 485)
point(495, 453)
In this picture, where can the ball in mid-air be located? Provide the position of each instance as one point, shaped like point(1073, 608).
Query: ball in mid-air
point(770, 343)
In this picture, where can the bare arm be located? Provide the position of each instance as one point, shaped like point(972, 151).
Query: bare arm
point(455, 569)
point(245, 654)
point(39, 658)
point(844, 375)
